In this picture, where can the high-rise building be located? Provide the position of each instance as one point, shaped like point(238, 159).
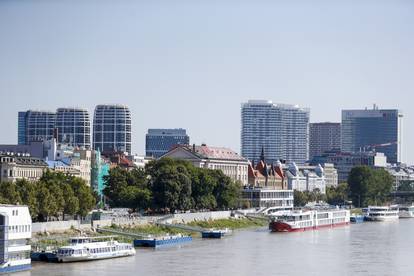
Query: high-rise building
point(35, 126)
point(159, 141)
point(282, 131)
point(373, 129)
point(74, 127)
point(323, 137)
point(112, 128)
point(21, 128)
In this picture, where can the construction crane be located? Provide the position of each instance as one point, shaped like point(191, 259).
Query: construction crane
point(373, 147)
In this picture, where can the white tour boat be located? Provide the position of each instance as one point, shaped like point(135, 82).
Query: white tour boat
point(406, 211)
point(302, 220)
point(93, 248)
point(381, 213)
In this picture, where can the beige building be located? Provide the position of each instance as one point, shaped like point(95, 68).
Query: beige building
point(331, 175)
point(14, 167)
point(216, 158)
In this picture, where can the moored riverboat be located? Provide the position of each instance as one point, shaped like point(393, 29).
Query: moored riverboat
point(303, 220)
point(93, 248)
point(381, 213)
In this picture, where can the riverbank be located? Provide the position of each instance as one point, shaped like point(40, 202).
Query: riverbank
point(56, 239)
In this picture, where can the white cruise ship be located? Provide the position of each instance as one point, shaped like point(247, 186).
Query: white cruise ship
point(15, 233)
point(381, 213)
point(406, 211)
point(93, 248)
point(302, 220)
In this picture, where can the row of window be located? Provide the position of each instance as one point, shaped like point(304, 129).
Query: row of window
point(19, 228)
point(17, 256)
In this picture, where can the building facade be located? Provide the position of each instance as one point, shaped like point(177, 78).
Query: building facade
point(265, 175)
point(159, 141)
point(74, 127)
point(267, 199)
point(305, 178)
point(345, 162)
point(282, 130)
point(14, 167)
point(35, 126)
point(323, 137)
point(216, 158)
point(112, 128)
point(15, 234)
point(373, 130)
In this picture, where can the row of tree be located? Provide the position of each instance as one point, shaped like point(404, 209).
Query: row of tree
point(366, 186)
point(169, 185)
point(54, 195)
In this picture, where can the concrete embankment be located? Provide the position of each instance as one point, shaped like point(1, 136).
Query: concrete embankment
point(58, 226)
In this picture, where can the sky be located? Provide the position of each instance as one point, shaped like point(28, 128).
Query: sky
point(191, 63)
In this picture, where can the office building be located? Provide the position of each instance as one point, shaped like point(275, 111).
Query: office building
point(305, 178)
point(35, 126)
point(215, 158)
point(282, 130)
point(159, 141)
point(323, 137)
point(373, 130)
point(267, 199)
point(73, 127)
point(112, 129)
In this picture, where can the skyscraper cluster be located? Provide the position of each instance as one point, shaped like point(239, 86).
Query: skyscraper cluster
point(283, 132)
point(71, 126)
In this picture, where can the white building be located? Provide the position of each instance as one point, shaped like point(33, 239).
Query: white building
point(269, 199)
point(215, 158)
point(15, 232)
point(73, 160)
point(13, 167)
point(331, 175)
point(305, 178)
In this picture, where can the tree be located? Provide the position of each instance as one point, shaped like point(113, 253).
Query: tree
point(84, 195)
point(300, 199)
point(227, 192)
point(368, 186)
point(9, 193)
point(71, 202)
point(47, 205)
point(27, 192)
point(337, 195)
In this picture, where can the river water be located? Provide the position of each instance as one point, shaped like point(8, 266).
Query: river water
point(363, 249)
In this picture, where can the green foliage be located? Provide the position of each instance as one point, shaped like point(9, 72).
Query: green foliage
point(9, 193)
point(406, 186)
point(337, 195)
point(169, 185)
point(369, 186)
point(300, 199)
point(54, 195)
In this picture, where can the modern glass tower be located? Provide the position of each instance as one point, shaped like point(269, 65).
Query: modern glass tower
point(112, 128)
point(373, 130)
point(324, 137)
point(35, 126)
point(74, 127)
point(282, 131)
point(159, 141)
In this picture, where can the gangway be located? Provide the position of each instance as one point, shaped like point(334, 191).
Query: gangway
point(122, 233)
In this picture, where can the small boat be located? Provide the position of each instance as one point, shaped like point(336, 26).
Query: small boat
point(357, 218)
point(406, 211)
point(215, 233)
point(162, 241)
point(303, 220)
point(381, 213)
point(93, 248)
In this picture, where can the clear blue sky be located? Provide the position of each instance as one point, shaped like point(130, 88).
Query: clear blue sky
point(191, 63)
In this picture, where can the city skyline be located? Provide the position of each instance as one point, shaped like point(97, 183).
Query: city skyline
point(175, 74)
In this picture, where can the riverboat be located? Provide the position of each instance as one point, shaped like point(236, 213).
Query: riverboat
point(381, 213)
point(406, 211)
point(93, 248)
point(303, 220)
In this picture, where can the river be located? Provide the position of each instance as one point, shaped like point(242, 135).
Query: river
point(363, 249)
